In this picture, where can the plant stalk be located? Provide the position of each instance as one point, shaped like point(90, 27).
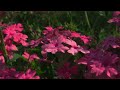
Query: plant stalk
point(87, 19)
point(3, 46)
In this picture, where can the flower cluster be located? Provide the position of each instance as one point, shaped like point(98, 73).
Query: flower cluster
point(13, 32)
point(14, 35)
point(11, 73)
point(60, 40)
point(63, 52)
point(111, 44)
point(116, 18)
point(29, 74)
point(100, 64)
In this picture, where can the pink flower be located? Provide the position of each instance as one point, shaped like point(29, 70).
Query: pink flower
point(73, 51)
point(24, 43)
point(2, 60)
point(14, 32)
point(116, 18)
point(48, 29)
point(71, 42)
point(101, 63)
point(111, 72)
point(30, 57)
point(11, 47)
point(110, 42)
point(75, 48)
point(26, 55)
point(116, 13)
point(34, 43)
point(12, 29)
point(21, 37)
point(74, 34)
point(7, 73)
point(85, 39)
point(61, 41)
point(49, 48)
point(29, 74)
point(97, 68)
point(34, 56)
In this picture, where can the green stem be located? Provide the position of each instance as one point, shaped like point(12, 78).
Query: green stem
point(87, 19)
point(3, 46)
point(69, 13)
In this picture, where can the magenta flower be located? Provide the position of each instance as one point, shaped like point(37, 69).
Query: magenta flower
point(116, 13)
point(11, 47)
point(110, 42)
point(85, 39)
point(11, 73)
point(29, 74)
point(116, 18)
point(49, 48)
point(7, 73)
point(59, 40)
point(34, 43)
point(100, 63)
point(13, 31)
point(2, 60)
point(48, 29)
point(30, 57)
point(13, 34)
point(97, 68)
point(75, 34)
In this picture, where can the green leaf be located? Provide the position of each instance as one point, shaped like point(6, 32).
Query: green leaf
point(16, 56)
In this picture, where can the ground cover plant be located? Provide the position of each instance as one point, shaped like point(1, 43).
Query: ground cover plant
point(59, 44)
